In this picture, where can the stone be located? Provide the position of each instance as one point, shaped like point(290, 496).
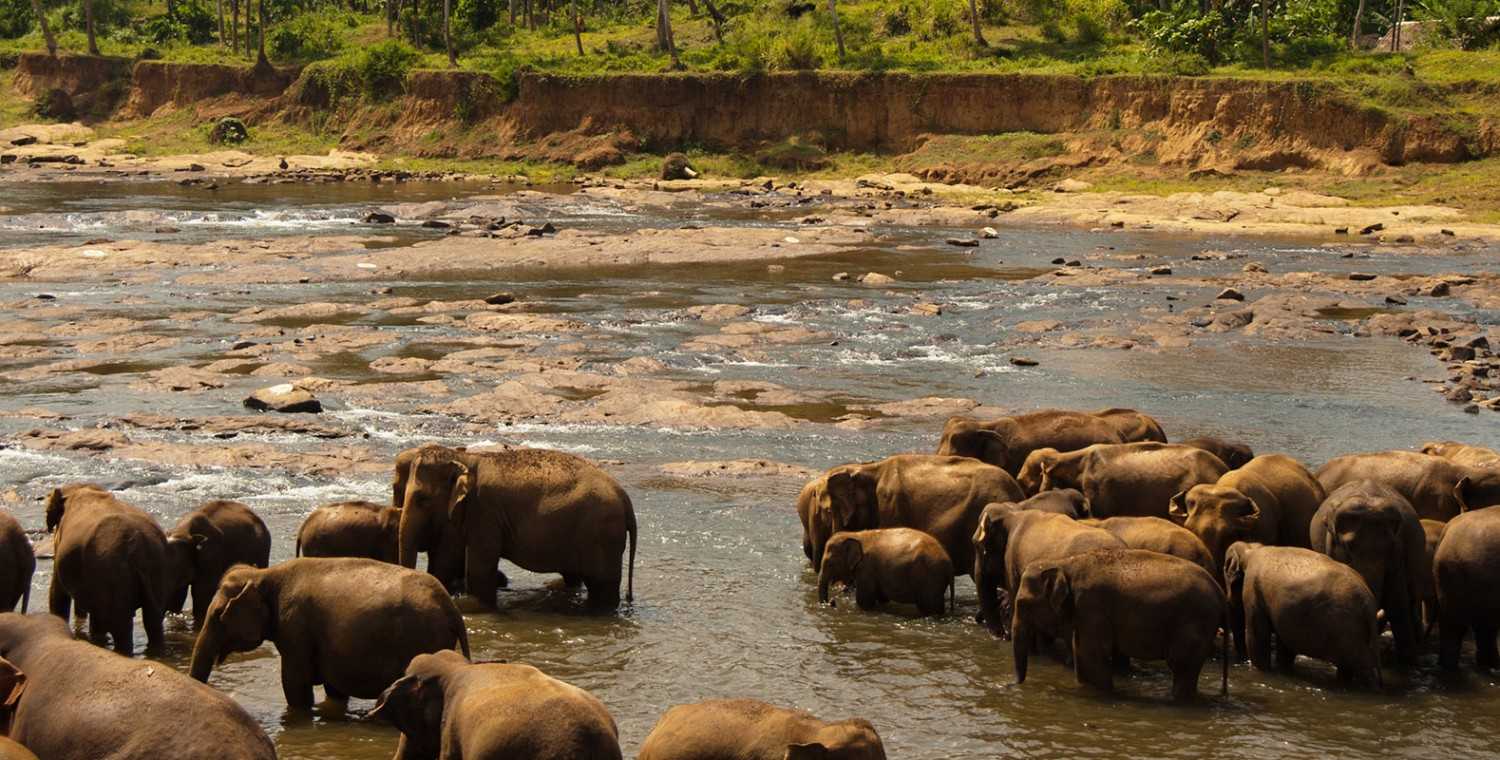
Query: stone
point(379, 217)
point(500, 299)
point(840, 276)
point(1021, 361)
point(1072, 186)
point(1376, 227)
point(1254, 266)
point(1361, 276)
point(1395, 300)
point(1439, 290)
point(926, 309)
point(285, 398)
point(963, 242)
point(1229, 294)
point(1161, 270)
point(876, 279)
point(989, 233)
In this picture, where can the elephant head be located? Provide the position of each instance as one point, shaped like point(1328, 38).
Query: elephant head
point(1043, 605)
point(1030, 476)
point(1479, 489)
point(239, 618)
point(57, 501)
point(966, 437)
point(991, 537)
point(1219, 515)
point(1363, 531)
point(436, 487)
point(12, 685)
point(841, 560)
point(845, 740)
point(190, 547)
point(846, 501)
point(414, 703)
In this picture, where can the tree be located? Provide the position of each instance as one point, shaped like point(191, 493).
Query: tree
point(221, 22)
point(447, 35)
point(88, 24)
point(664, 31)
point(838, 35)
point(974, 19)
point(1265, 33)
point(260, 55)
point(577, 28)
point(41, 20)
point(1359, 14)
point(718, 19)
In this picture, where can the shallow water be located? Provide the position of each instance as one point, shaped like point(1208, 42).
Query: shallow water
point(725, 605)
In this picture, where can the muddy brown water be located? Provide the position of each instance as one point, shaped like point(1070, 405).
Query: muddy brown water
point(725, 605)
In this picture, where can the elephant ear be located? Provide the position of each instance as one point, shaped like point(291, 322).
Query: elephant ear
point(1234, 564)
point(244, 615)
point(12, 685)
point(413, 704)
point(809, 751)
point(1459, 495)
point(458, 494)
point(991, 446)
point(840, 492)
point(1178, 508)
point(1059, 590)
point(854, 552)
point(56, 504)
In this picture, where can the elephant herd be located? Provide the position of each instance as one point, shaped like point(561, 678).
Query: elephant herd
point(1090, 533)
point(349, 613)
point(1085, 533)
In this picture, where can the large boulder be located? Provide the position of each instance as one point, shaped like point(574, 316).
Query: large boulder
point(286, 398)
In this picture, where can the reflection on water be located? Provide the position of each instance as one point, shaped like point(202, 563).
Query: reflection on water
point(725, 605)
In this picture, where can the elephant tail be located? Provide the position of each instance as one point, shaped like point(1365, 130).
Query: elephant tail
point(26, 597)
point(630, 525)
point(461, 632)
point(952, 594)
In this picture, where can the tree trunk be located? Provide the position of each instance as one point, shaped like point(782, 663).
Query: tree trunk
point(577, 28)
point(41, 21)
point(838, 34)
point(221, 22)
point(1359, 14)
point(234, 26)
point(1396, 30)
point(447, 35)
point(693, 7)
point(1265, 33)
point(171, 9)
point(718, 19)
point(88, 25)
point(513, 14)
point(260, 54)
point(664, 31)
point(249, 35)
point(974, 19)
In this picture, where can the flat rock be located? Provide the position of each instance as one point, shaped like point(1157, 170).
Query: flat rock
point(285, 398)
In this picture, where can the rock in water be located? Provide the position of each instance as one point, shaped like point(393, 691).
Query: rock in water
point(285, 398)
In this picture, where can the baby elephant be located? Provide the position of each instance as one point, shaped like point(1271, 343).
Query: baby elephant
point(350, 624)
point(888, 565)
point(1313, 604)
point(352, 529)
point(745, 729)
point(207, 542)
point(449, 709)
point(1128, 602)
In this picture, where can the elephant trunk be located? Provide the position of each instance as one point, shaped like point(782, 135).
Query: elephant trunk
point(206, 651)
point(825, 579)
point(1021, 636)
point(411, 538)
point(989, 597)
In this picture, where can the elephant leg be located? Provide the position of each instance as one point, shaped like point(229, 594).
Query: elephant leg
point(1093, 664)
point(1451, 632)
point(203, 595)
point(481, 576)
point(1486, 656)
point(296, 683)
point(1258, 639)
point(58, 601)
point(867, 596)
point(1286, 658)
point(153, 619)
point(334, 695)
point(1185, 674)
point(604, 593)
point(98, 631)
point(122, 630)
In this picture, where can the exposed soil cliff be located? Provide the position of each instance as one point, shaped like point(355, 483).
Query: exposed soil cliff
point(1197, 123)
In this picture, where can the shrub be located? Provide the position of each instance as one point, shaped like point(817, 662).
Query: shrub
point(382, 67)
point(797, 48)
point(15, 18)
point(1466, 22)
point(309, 37)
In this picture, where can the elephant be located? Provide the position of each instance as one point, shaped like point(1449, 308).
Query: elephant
point(205, 544)
point(17, 565)
point(1048, 469)
point(450, 709)
point(1231, 453)
point(1008, 538)
point(1438, 488)
point(1433, 531)
point(1161, 536)
point(1005, 442)
point(1132, 480)
point(1063, 501)
point(1271, 500)
point(1467, 570)
point(745, 729)
point(1463, 453)
point(350, 624)
point(352, 529)
point(1311, 603)
point(111, 559)
point(888, 565)
point(86, 703)
point(435, 534)
point(1122, 603)
point(547, 511)
point(1373, 529)
point(938, 495)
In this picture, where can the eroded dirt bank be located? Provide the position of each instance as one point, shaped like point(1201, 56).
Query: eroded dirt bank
point(1219, 124)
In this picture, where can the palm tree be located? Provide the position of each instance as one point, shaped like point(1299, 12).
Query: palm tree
point(41, 20)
